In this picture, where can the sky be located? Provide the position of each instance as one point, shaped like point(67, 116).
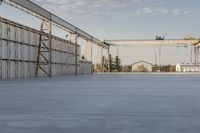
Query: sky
point(127, 19)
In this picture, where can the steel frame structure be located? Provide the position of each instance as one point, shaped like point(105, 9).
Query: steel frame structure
point(45, 36)
point(37, 11)
point(150, 42)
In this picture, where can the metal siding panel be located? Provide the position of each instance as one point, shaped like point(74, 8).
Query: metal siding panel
point(4, 50)
point(23, 51)
point(1, 48)
point(4, 69)
point(12, 69)
point(4, 31)
point(19, 56)
point(26, 40)
point(12, 50)
point(32, 69)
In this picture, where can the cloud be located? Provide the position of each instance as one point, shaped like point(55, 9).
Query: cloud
point(78, 9)
point(161, 11)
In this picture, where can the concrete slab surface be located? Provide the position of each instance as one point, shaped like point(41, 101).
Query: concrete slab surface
point(123, 103)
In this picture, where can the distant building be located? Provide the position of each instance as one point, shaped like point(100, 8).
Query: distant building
point(142, 66)
point(187, 68)
point(178, 68)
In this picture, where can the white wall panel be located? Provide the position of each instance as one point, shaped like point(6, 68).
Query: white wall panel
point(18, 53)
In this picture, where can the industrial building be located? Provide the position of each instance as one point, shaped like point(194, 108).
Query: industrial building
point(142, 66)
point(187, 68)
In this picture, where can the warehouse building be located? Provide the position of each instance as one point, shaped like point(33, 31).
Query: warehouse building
point(142, 66)
point(187, 68)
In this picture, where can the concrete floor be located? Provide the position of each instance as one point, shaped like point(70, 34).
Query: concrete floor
point(147, 103)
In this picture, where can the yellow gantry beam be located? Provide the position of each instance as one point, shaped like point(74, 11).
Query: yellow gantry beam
point(149, 42)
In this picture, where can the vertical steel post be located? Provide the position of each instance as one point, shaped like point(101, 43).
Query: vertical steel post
point(198, 54)
point(74, 39)
point(1, 76)
point(102, 60)
point(195, 55)
point(155, 58)
point(191, 54)
point(8, 50)
point(109, 59)
point(76, 54)
point(91, 58)
point(50, 49)
point(16, 40)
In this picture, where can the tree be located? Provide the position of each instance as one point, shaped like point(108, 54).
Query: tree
point(117, 64)
point(83, 57)
point(126, 68)
point(112, 65)
point(189, 38)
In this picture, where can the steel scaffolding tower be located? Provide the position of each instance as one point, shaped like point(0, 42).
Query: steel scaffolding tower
point(44, 49)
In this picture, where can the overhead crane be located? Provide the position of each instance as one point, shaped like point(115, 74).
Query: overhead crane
point(161, 42)
point(151, 42)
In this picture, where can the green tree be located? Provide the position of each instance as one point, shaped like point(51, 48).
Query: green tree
point(117, 64)
point(106, 65)
point(109, 64)
point(83, 57)
point(112, 65)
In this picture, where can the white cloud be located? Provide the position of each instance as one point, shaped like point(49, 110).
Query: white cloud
point(107, 8)
point(163, 10)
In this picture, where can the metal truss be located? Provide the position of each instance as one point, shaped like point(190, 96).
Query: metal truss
point(148, 42)
point(39, 12)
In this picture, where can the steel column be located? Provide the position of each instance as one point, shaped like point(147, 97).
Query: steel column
point(102, 59)
point(1, 75)
point(108, 58)
point(74, 39)
point(91, 58)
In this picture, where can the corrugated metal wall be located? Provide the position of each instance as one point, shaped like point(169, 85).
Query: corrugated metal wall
point(85, 67)
point(18, 52)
